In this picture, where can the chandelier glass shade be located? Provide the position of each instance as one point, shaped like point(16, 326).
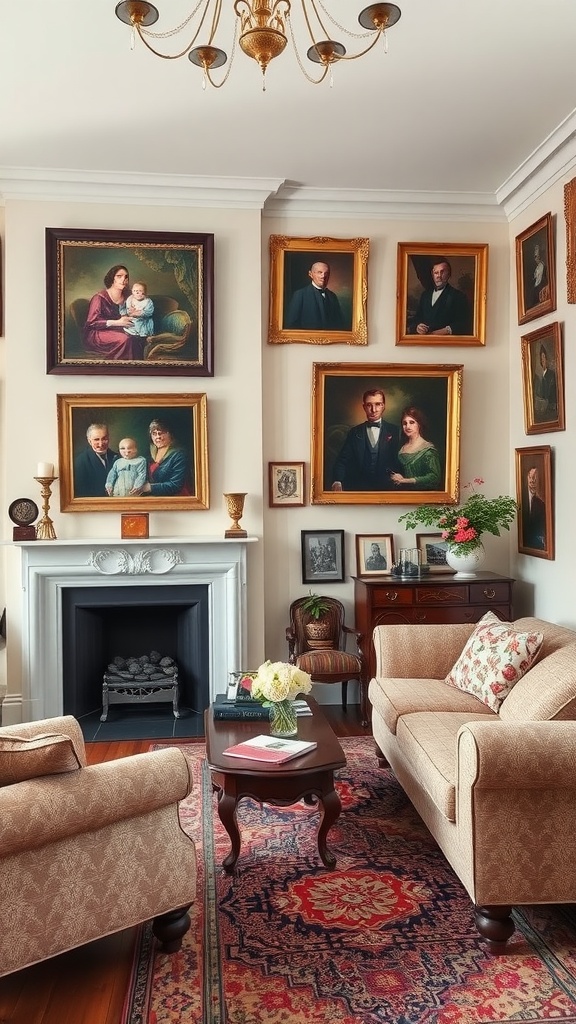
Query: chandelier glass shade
point(262, 30)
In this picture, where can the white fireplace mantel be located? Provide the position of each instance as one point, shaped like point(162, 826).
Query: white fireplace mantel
point(48, 567)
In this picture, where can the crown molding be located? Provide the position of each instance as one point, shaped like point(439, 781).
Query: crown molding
point(294, 200)
point(53, 185)
point(551, 161)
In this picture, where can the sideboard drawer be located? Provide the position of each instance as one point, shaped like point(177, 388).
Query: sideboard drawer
point(442, 594)
point(438, 616)
point(384, 596)
point(488, 592)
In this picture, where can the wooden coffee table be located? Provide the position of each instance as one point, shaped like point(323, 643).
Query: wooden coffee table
point(306, 777)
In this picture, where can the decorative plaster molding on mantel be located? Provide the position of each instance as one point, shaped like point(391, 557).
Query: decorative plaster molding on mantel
point(181, 190)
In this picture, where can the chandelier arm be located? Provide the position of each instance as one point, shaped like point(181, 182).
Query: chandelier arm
point(353, 56)
point(218, 85)
point(307, 20)
point(175, 31)
point(313, 81)
point(165, 56)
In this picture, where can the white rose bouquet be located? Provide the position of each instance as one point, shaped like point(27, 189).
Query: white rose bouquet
point(276, 681)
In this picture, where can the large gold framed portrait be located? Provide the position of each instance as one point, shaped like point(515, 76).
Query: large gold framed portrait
point(413, 457)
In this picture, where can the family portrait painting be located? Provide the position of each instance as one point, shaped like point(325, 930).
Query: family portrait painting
point(385, 433)
point(129, 302)
point(132, 453)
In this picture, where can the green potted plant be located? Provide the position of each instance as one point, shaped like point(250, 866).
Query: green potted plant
point(317, 625)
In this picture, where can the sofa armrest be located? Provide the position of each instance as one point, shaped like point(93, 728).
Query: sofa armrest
point(64, 725)
point(41, 811)
point(520, 755)
point(419, 651)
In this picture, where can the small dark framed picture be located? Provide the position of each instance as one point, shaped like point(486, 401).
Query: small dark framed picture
point(129, 302)
point(134, 525)
point(535, 501)
point(433, 551)
point(543, 380)
point(318, 290)
point(441, 294)
point(285, 484)
point(374, 554)
point(536, 270)
point(322, 556)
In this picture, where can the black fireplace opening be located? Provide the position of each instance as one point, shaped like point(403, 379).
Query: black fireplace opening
point(101, 623)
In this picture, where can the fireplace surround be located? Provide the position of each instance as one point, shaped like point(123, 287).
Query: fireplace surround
point(212, 566)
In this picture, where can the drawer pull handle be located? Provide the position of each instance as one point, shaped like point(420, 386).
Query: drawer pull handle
point(391, 595)
point(490, 593)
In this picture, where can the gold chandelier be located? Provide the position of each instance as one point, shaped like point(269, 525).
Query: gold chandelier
point(261, 28)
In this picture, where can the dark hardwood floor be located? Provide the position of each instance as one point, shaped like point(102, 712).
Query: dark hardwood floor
point(88, 985)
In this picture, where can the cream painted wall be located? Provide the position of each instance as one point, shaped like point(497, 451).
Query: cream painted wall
point(544, 585)
point(287, 403)
point(234, 393)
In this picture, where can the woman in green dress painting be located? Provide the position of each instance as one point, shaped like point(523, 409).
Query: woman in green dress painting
point(419, 458)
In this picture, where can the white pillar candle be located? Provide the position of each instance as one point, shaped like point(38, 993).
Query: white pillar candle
point(45, 469)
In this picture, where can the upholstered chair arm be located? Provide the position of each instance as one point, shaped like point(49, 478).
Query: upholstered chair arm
point(418, 651)
point(45, 810)
point(64, 725)
point(515, 793)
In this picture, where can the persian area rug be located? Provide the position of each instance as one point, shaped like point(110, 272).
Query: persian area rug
point(387, 936)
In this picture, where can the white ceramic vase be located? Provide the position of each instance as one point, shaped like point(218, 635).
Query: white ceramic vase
point(466, 565)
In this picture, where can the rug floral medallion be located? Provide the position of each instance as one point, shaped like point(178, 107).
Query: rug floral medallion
point(388, 936)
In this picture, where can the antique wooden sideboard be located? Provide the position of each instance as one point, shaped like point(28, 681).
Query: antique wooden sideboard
point(436, 597)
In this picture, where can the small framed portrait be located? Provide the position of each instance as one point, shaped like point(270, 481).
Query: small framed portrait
point(543, 380)
point(385, 433)
point(285, 484)
point(318, 290)
point(433, 551)
point(322, 556)
point(129, 302)
point(536, 270)
point(374, 554)
point(570, 219)
point(441, 294)
point(535, 501)
point(132, 453)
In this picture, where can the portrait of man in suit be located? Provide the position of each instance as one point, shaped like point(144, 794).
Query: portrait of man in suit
point(545, 389)
point(533, 512)
point(315, 307)
point(442, 309)
point(369, 454)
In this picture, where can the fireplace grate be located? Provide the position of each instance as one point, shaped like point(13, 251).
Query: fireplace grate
point(148, 679)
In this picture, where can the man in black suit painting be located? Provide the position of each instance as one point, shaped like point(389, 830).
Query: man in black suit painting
point(533, 513)
point(315, 307)
point(442, 309)
point(369, 454)
point(92, 466)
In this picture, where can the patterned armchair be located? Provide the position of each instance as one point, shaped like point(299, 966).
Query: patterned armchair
point(88, 850)
point(327, 660)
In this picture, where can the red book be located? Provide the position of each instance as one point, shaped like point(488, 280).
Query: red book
point(271, 749)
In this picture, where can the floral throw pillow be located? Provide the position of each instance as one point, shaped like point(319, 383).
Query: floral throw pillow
point(495, 657)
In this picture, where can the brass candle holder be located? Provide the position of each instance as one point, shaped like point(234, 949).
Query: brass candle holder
point(235, 508)
point(45, 527)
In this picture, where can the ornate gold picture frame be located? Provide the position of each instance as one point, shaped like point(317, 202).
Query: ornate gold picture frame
point(536, 270)
point(441, 293)
point(535, 501)
point(543, 380)
point(570, 218)
point(318, 290)
point(168, 454)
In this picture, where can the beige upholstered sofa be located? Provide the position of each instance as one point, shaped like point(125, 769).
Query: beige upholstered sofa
point(88, 850)
point(497, 790)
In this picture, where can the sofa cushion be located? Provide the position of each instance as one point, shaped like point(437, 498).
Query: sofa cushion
point(495, 657)
point(428, 742)
point(22, 758)
point(393, 698)
point(547, 692)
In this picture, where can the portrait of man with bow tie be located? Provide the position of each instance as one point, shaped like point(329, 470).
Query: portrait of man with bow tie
point(441, 294)
point(385, 433)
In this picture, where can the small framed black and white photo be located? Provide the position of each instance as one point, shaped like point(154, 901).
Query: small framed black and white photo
point(322, 556)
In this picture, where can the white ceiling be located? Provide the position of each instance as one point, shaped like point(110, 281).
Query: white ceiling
point(467, 91)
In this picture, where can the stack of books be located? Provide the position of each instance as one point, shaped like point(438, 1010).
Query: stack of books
point(240, 709)
point(270, 748)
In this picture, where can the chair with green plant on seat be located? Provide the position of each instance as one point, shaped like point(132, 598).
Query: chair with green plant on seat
point(317, 639)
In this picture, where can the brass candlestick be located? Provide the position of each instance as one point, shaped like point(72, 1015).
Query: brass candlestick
point(45, 527)
point(235, 508)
